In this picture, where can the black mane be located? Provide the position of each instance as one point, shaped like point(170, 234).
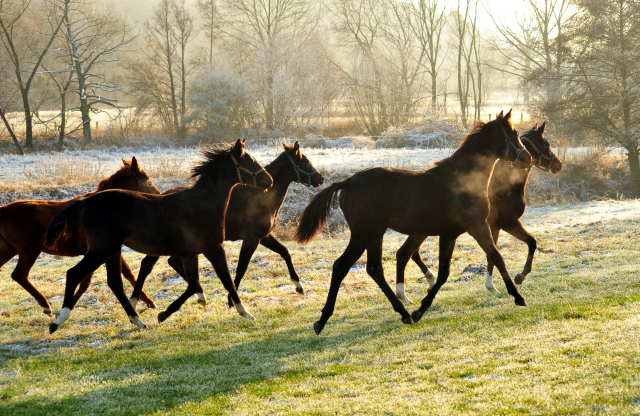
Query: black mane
point(211, 156)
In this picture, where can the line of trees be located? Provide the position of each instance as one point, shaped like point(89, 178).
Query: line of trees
point(264, 67)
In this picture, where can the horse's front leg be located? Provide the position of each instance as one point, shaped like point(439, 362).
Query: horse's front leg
point(482, 234)
point(218, 258)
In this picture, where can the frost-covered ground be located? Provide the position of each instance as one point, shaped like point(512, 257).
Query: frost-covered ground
point(583, 213)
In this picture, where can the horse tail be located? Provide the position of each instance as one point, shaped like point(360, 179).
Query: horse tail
point(314, 216)
point(63, 223)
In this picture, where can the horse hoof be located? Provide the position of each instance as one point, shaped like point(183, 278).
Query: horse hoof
point(317, 327)
point(417, 315)
point(519, 278)
point(203, 303)
point(404, 298)
point(152, 305)
point(407, 320)
point(300, 290)
point(53, 327)
point(492, 289)
point(162, 317)
point(47, 311)
point(521, 302)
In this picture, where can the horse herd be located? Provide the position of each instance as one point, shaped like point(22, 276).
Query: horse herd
point(479, 189)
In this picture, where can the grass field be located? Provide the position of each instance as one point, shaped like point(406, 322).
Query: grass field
point(574, 350)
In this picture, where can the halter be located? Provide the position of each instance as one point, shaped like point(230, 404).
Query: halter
point(138, 179)
point(511, 143)
point(299, 171)
point(541, 156)
point(239, 168)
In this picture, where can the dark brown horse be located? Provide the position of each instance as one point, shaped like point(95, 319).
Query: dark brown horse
point(252, 215)
point(185, 224)
point(507, 201)
point(446, 201)
point(23, 225)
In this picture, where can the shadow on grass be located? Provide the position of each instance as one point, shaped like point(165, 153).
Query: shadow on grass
point(146, 383)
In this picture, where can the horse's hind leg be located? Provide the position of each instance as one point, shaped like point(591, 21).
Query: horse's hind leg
point(114, 281)
point(276, 246)
point(127, 273)
point(86, 266)
point(402, 258)
point(482, 235)
point(21, 275)
point(495, 234)
point(431, 278)
point(523, 235)
point(374, 268)
point(340, 269)
point(146, 266)
point(190, 265)
point(447, 244)
point(246, 252)
point(218, 259)
point(177, 264)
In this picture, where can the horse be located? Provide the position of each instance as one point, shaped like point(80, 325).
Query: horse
point(446, 201)
point(507, 204)
point(185, 224)
point(23, 225)
point(251, 217)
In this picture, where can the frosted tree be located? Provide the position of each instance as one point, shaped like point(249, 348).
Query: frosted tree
point(26, 48)
point(89, 41)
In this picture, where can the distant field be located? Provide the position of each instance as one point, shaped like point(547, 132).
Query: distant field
point(574, 350)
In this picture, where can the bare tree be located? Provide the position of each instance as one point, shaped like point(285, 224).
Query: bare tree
point(209, 16)
point(601, 78)
point(262, 35)
point(91, 37)
point(160, 78)
point(428, 25)
point(25, 53)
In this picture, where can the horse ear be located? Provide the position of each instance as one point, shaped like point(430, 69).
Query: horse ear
point(508, 115)
point(501, 114)
point(541, 129)
point(125, 162)
point(535, 127)
point(286, 146)
point(239, 148)
point(296, 148)
point(134, 163)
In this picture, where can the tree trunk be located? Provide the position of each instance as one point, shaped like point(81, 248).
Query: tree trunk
point(634, 168)
point(11, 133)
point(63, 122)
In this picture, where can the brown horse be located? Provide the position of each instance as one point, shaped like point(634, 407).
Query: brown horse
point(252, 215)
point(23, 225)
point(185, 224)
point(446, 201)
point(507, 202)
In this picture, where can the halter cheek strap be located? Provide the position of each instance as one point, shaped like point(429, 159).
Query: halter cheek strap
point(299, 171)
point(552, 156)
point(510, 144)
point(138, 179)
point(239, 168)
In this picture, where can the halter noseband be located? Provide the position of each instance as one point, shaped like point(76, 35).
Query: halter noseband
point(239, 168)
point(299, 171)
point(511, 143)
point(541, 156)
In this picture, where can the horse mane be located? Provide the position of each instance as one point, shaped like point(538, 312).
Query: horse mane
point(472, 139)
point(122, 173)
point(211, 156)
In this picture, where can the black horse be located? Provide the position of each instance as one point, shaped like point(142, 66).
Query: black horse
point(251, 217)
point(184, 224)
point(507, 202)
point(446, 201)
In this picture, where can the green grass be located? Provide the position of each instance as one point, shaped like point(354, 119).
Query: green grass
point(574, 350)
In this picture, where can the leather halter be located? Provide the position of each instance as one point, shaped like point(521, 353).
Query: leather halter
point(299, 171)
point(138, 179)
point(512, 144)
point(239, 168)
point(549, 158)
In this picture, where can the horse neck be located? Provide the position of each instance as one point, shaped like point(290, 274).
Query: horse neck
point(506, 177)
point(282, 178)
point(216, 190)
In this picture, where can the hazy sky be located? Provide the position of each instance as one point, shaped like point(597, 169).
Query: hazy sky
point(140, 10)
